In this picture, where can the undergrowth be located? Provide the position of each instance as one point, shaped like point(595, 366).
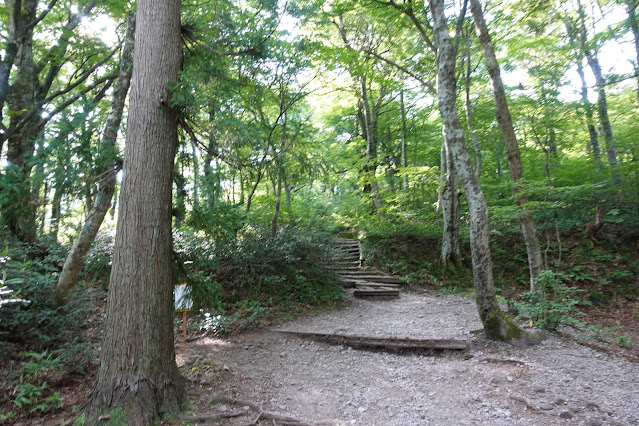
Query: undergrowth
point(239, 282)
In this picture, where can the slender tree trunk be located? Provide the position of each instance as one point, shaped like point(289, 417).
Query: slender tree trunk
point(535, 260)
point(468, 109)
point(593, 141)
point(602, 102)
point(278, 203)
point(289, 206)
point(368, 120)
point(196, 177)
point(138, 372)
point(402, 109)
point(634, 28)
point(249, 199)
point(449, 201)
point(73, 264)
point(497, 324)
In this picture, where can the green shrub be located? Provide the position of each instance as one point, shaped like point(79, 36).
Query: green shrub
point(253, 275)
point(554, 302)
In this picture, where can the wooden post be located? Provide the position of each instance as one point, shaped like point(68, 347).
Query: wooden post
point(184, 323)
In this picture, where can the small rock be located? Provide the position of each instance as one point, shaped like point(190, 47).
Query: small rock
point(546, 407)
point(566, 415)
point(246, 408)
point(223, 408)
point(540, 389)
point(226, 368)
point(361, 409)
point(559, 401)
point(509, 378)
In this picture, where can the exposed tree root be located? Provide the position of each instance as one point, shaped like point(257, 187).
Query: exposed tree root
point(524, 401)
point(277, 419)
point(503, 360)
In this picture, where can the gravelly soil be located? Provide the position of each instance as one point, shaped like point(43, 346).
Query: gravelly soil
point(555, 382)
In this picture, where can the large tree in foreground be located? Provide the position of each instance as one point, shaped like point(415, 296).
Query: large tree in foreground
point(137, 364)
point(497, 324)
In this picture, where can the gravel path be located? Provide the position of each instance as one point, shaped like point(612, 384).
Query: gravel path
point(556, 382)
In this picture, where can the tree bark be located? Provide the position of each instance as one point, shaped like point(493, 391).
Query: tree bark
point(449, 202)
point(533, 248)
point(497, 324)
point(73, 263)
point(138, 372)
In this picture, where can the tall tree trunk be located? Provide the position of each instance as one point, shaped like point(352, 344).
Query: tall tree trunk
point(26, 96)
point(602, 102)
point(369, 124)
point(449, 202)
point(108, 170)
point(402, 110)
point(138, 372)
point(468, 107)
point(21, 99)
point(278, 202)
point(631, 6)
point(249, 199)
point(289, 206)
point(535, 260)
point(196, 177)
point(497, 324)
point(593, 141)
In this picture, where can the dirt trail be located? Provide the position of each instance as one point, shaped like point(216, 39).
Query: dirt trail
point(553, 383)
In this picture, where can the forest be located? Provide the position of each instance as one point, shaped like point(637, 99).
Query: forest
point(488, 149)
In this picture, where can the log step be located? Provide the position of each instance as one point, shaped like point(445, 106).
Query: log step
point(364, 292)
point(383, 343)
point(373, 278)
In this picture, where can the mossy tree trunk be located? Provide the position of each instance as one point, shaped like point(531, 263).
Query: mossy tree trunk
point(138, 372)
point(497, 324)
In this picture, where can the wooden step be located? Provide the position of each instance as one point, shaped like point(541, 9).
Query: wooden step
point(373, 278)
point(343, 269)
point(360, 284)
point(383, 343)
point(367, 292)
point(354, 282)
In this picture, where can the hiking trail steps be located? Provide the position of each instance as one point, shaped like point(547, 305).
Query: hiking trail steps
point(367, 283)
